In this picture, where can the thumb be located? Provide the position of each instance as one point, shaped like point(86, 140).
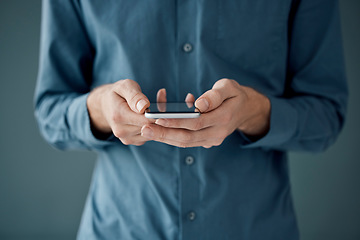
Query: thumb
point(161, 96)
point(212, 99)
point(131, 92)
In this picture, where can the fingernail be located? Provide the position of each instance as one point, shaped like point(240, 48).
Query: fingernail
point(141, 104)
point(161, 122)
point(164, 90)
point(202, 104)
point(147, 132)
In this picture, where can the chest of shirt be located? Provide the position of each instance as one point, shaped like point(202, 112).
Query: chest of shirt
point(249, 35)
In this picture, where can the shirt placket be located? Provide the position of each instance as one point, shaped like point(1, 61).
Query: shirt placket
point(190, 214)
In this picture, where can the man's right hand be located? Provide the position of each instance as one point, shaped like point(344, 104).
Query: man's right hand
point(118, 108)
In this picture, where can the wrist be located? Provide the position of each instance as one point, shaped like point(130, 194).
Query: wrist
point(98, 123)
point(257, 124)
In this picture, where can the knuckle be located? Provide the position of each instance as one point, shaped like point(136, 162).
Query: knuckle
point(235, 83)
point(121, 84)
point(223, 133)
point(139, 143)
point(216, 94)
point(227, 83)
point(119, 132)
point(230, 83)
point(218, 142)
point(127, 85)
point(125, 82)
point(114, 87)
point(224, 81)
point(117, 84)
point(162, 135)
point(125, 141)
point(183, 145)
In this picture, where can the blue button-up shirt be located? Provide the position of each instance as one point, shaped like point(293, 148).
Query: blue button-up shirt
point(289, 50)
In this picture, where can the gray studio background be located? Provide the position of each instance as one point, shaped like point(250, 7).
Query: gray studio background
point(42, 190)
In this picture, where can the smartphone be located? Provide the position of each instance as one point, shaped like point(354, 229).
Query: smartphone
point(172, 110)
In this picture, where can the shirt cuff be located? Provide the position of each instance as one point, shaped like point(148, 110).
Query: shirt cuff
point(79, 124)
point(283, 123)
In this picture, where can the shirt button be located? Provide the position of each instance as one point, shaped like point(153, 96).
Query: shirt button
point(191, 216)
point(187, 47)
point(189, 160)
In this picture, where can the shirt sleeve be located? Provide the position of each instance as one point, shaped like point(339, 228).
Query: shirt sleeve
point(64, 79)
point(310, 114)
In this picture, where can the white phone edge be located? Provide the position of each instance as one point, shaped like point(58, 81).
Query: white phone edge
point(172, 115)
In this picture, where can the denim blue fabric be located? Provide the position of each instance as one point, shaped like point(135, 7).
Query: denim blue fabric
point(289, 50)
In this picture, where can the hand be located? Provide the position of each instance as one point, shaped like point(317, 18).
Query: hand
point(118, 108)
point(227, 107)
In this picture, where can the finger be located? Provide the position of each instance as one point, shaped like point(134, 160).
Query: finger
point(216, 117)
point(161, 106)
point(126, 131)
point(161, 100)
point(122, 114)
point(222, 90)
point(184, 123)
point(181, 137)
point(136, 140)
point(161, 95)
point(131, 92)
point(189, 98)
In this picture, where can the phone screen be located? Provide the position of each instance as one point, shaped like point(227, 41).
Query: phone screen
point(172, 110)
